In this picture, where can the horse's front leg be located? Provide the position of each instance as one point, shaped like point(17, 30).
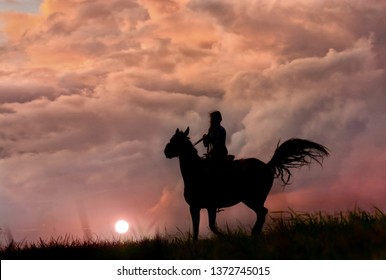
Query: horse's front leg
point(195, 213)
point(212, 220)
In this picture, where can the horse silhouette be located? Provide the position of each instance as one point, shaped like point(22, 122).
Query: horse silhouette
point(245, 180)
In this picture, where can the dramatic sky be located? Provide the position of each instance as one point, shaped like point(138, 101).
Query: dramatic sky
point(92, 90)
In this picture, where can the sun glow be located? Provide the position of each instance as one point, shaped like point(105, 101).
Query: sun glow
point(121, 226)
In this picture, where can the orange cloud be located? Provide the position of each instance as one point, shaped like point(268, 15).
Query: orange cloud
point(49, 7)
point(17, 25)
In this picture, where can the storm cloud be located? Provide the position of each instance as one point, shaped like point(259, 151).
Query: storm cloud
point(91, 91)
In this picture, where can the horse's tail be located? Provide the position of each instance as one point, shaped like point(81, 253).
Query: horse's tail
point(295, 153)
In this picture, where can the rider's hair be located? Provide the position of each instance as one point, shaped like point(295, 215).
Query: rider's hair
point(216, 116)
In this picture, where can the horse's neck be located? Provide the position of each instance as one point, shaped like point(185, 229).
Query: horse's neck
point(189, 165)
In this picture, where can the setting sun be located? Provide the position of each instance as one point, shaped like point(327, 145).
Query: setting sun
point(121, 226)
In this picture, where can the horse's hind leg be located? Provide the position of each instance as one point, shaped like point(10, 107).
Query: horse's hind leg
point(212, 220)
point(261, 212)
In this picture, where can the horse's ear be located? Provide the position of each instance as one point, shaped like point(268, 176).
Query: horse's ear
point(187, 131)
point(177, 130)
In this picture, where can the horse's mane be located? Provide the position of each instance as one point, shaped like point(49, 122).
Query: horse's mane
point(188, 145)
point(191, 146)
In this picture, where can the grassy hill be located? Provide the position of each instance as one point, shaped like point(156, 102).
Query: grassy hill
point(353, 235)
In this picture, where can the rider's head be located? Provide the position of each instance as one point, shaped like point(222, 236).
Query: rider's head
point(215, 118)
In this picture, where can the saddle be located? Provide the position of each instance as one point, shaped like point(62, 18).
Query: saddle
point(230, 158)
point(218, 168)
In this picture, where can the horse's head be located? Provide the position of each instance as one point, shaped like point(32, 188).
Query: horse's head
point(178, 144)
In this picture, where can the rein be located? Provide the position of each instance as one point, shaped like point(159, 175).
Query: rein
point(199, 141)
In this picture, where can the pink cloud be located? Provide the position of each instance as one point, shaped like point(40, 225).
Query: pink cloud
point(90, 92)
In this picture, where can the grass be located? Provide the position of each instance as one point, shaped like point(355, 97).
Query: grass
point(354, 235)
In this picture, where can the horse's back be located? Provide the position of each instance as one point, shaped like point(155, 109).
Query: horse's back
point(252, 167)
